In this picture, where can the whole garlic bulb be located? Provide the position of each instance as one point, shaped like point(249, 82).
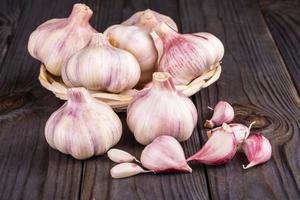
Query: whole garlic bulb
point(161, 110)
point(83, 127)
point(185, 56)
point(56, 40)
point(139, 43)
point(148, 19)
point(100, 66)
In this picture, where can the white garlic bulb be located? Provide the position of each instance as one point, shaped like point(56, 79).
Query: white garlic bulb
point(161, 110)
point(83, 127)
point(185, 56)
point(148, 19)
point(100, 66)
point(139, 43)
point(56, 40)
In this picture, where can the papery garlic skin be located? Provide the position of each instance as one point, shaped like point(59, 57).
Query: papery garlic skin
point(83, 127)
point(56, 40)
point(223, 113)
point(185, 56)
point(164, 154)
point(161, 110)
point(120, 156)
point(125, 170)
point(100, 66)
point(148, 19)
point(138, 42)
point(219, 149)
point(258, 150)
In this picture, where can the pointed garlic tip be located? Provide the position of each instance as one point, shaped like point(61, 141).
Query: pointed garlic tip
point(164, 31)
point(80, 13)
point(223, 113)
point(258, 149)
point(219, 149)
point(164, 154)
point(98, 40)
point(78, 95)
point(120, 156)
point(163, 80)
point(124, 170)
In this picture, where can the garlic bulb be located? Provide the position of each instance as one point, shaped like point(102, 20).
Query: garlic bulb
point(83, 127)
point(100, 66)
point(161, 110)
point(185, 56)
point(148, 19)
point(164, 154)
point(139, 43)
point(56, 40)
point(223, 113)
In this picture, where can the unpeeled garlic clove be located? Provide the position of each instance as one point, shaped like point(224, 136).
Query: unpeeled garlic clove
point(258, 150)
point(148, 19)
point(120, 156)
point(100, 66)
point(223, 113)
point(185, 56)
point(83, 127)
point(161, 110)
point(219, 149)
point(164, 154)
point(54, 41)
point(124, 170)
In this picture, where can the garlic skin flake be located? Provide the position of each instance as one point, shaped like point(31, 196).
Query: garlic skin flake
point(161, 110)
point(164, 154)
point(258, 150)
point(54, 41)
point(120, 156)
point(125, 170)
point(83, 127)
point(223, 113)
point(185, 56)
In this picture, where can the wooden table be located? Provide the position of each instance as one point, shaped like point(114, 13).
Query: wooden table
point(261, 78)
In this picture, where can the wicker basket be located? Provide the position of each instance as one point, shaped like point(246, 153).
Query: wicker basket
point(120, 101)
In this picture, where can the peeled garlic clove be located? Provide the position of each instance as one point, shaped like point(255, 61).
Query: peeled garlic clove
point(138, 42)
point(223, 113)
point(124, 170)
point(161, 110)
point(148, 19)
point(120, 156)
point(83, 127)
point(164, 154)
point(100, 66)
point(258, 150)
point(219, 149)
point(56, 40)
point(184, 56)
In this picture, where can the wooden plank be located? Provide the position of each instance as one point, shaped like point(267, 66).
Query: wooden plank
point(256, 81)
point(97, 183)
point(283, 20)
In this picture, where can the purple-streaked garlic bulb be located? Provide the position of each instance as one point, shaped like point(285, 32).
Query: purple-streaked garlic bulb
point(100, 66)
point(185, 56)
point(258, 150)
point(148, 19)
point(223, 113)
point(54, 41)
point(83, 127)
point(161, 110)
point(164, 154)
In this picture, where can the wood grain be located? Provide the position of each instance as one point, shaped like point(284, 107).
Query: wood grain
point(256, 81)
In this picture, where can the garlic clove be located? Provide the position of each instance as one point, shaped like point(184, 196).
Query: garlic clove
point(258, 150)
point(223, 113)
point(120, 156)
point(56, 40)
point(219, 149)
point(124, 170)
point(100, 66)
point(83, 127)
point(164, 154)
point(161, 110)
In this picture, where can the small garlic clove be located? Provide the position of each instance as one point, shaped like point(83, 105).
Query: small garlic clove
point(258, 150)
point(164, 154)
point(219, 149)
point(223, 113)
point(124, 170)
point(120, 156)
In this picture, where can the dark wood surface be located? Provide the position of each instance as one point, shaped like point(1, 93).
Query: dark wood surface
point(261, 78)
